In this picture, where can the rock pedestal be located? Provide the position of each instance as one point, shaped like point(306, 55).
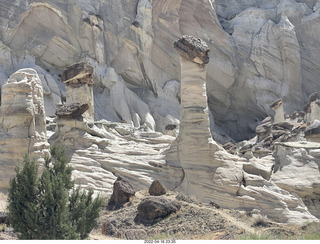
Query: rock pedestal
point(78, 80)
point(22, 122)
point(278, 108)
point(195, 144)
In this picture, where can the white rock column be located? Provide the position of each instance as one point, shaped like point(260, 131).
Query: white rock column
point(195, 144)
point(22, 123)
point(78, 79)
point(278, 108)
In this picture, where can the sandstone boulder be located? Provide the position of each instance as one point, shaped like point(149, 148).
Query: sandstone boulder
point(122, 193)
point(157, 208)
point(157, 189)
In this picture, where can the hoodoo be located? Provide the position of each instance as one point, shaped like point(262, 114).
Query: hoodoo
point(195, 144)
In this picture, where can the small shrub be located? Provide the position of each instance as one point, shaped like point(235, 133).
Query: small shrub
point(261, 221)
point(50, 207)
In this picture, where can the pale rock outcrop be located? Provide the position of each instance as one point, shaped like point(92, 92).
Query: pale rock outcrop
point(296, 170)
point(22, 122)
point(100, 152)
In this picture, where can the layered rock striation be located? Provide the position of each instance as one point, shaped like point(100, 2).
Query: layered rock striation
point(78, 79)
point(22, 123)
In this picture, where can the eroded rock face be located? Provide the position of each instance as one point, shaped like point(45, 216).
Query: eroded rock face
point(297, 170)
point(22, 126)
point(78, 79)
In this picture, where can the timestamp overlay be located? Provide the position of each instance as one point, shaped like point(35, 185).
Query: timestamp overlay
point(160, 241)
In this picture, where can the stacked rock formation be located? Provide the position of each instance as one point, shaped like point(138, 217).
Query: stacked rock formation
point(279, 113)
point(22, 122)
point(195, 144)
point(78, 80)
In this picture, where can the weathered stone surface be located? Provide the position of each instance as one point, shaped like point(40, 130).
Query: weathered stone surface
point(312, 132)
point(279, 113)
point(122, 193)
point(136, 234)
point(72, 111)
point(110, 230)
point(297, 170)
point(78, 79)
point(22, 122)
point(193, 49)
point(155, 208)
point(157, 189)
point(78, 75)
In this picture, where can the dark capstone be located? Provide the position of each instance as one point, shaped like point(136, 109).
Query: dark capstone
point(122, 192)
point(72, 111)
point(193, 49)
point(157, 189)
point(78, 74)
point(155, 208)
point(313, 96)
point(276, 104)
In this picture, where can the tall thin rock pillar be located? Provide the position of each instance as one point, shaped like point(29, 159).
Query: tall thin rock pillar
point(195, 144)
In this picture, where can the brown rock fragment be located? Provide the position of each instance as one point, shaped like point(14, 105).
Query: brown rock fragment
point(157, 189)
